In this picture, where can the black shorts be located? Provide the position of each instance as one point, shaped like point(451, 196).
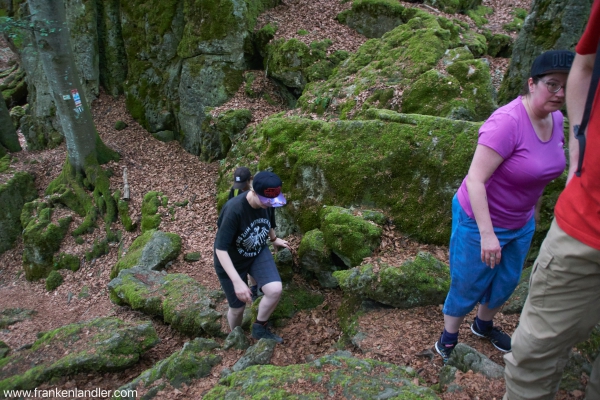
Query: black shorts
point(263, 270)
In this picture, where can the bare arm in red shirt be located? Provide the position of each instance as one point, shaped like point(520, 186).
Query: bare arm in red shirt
point(577, 89)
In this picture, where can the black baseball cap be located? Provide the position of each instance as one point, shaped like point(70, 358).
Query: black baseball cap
point(241, 177)
point(267, 185)
point(552, 61)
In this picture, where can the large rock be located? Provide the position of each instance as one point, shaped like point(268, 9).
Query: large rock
point(551, 24)
point(315, 258)
point(259, 354)
point(152, 250)
point(410, 166)
point(19, 190)
point(466, 358)
point(184, 57)
point(193, 361)
point(181, 301)
point(408, 54)
point(424, 281)
point(350, 237)
point(293, 299)
point(97, 346)
point(41, 238)
point(340, 375)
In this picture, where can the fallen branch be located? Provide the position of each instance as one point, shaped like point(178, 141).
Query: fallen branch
point(125, 186)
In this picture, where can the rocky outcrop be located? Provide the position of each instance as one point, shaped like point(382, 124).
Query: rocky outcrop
point(465, 358)
point(550, 25)
point(11, 316)
point(100, 345)
point(152, 251)
point(19, 190)
point(178, 299)
point(193, 361)
point(259, 354)
point(339, 373)
point(409, 166)
point(423, 281)
point(405, 62)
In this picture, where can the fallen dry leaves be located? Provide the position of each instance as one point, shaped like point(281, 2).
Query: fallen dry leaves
point(403, 337)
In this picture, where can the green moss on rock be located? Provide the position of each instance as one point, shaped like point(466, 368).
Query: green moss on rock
point(337, 373)
point(177, 298)
point(11, 316)
point(150, 217)
point(424, 281)
point(54, 280)
point(66, 261)
point(97, 346)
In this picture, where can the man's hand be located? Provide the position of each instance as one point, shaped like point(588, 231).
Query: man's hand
point(280, 243)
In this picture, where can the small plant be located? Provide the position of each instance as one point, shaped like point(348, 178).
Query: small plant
point(120, 125)
point(53, 281)
point(517, 23)
point(302, 32)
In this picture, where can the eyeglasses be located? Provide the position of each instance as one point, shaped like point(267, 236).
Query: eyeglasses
point(553, 87)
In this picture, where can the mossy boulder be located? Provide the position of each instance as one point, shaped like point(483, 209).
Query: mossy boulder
point(500, 45)
point(193, 361)
point(54, 280)
point(222, 130)
point(284, 260)
point(350, 237)
point(178, 299)
point(14, 87)
point(11, 316)
point(4, 350)
point(409, 166)
point(164, 136)
point(315, 258)
point(152, 250)
point(549, 25)
point(454, 6)
point(338, 373)
point(420, 282)
point(373, 18)
point(41, 238)
point(97, 346)
point(393, 64)
point(295, 63)
point(20, 189)
point(466, 358)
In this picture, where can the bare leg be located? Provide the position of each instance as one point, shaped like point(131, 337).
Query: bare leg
point(451, 324)
point(272, 293)
point(487, 314)
point(235, 316)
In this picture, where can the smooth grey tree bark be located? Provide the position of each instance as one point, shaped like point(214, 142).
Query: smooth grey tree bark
point(52, 41)
point(8, 133)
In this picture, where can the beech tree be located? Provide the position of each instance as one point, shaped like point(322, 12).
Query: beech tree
point(84, 146)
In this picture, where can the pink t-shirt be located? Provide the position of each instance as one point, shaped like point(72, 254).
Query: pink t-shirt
point(529, 165)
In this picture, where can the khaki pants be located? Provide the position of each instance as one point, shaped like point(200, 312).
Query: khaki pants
point(561, 310)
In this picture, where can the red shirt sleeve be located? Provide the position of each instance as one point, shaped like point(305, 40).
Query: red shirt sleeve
point(589, 41)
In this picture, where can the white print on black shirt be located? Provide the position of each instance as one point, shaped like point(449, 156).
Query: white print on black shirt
point(253, 238)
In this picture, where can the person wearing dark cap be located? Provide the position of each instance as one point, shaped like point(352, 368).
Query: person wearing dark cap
point(563, 307)
point(519, 151)
point(245, 227)
point(242, 179)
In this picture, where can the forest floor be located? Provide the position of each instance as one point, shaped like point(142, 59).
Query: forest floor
point(402, 337)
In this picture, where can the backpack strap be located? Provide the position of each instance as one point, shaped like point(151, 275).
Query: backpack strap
point(579, 130)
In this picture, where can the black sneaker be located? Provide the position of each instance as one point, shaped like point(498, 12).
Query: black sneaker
point(499, 339)
point(263, 332)
point(254, 290)
point(444, 350)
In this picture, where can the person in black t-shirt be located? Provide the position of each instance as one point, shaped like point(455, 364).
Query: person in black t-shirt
point(242, 178)
point(242, 182)
point(246, 225)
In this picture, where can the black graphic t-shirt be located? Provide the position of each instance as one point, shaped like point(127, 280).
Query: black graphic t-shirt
point(243, 232)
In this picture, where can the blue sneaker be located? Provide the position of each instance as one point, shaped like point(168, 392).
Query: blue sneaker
point(499, 339)
point(444, 350)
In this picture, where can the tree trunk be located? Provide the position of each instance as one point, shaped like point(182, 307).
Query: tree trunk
point(8, 133)
point(53, 44)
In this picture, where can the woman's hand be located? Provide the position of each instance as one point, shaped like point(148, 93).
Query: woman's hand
point(242, 291)
point(280, 243)
point(491, 252)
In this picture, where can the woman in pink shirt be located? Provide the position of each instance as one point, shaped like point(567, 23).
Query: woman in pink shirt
point(519, 151)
